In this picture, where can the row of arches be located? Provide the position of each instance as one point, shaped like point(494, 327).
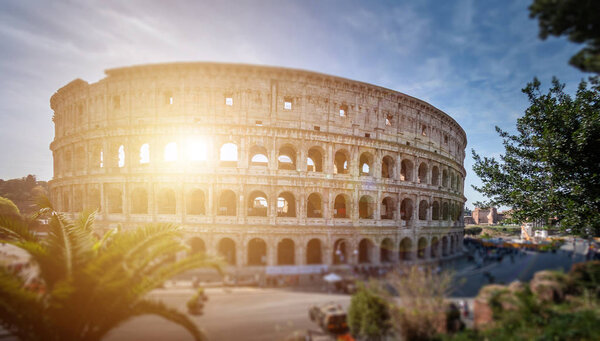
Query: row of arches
point(258, 204)
point(341, 251)
point(196, 150)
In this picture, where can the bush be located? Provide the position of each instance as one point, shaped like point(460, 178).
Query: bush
point(7, 207)
point(368, 314)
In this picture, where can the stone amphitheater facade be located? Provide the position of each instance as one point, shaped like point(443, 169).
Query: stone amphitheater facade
point(273, 168)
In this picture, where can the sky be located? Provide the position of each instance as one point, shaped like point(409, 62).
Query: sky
point(468, 58)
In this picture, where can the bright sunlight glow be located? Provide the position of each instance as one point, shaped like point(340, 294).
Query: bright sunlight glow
point(171, 152)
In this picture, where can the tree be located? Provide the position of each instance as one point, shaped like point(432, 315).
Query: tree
point(7, 207)
point(85, 286)
point(551, 168)
point(577, 19)
point(368, 315)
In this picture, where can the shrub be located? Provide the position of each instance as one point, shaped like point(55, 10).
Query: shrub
point(368, 314)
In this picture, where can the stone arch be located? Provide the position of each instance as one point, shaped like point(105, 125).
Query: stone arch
point(341, 206)
point(286, 205)
point(452, 245)
point(388, 207)
point(286, 159)
point(286, 252)
point(196, 203)
point(314, 251)
point(453, 181)
point(115, 200)
point(445, 178)
point(406, 209)
point(365, 251)
point(314, 160)
point(444, 246)
point(257, 252)
point(258, 204)
point(365, 164)
point(227, 203)
point(423, 205)
point(340, 251)
point(341, 162)
point(435, 210)
point(226, 249)
point(435, 176)
point(366, 207)
point(259, 156)
point(406, 170)
point(228, 155)
point(445, 211)
point(145, 153)
point(77, 205)
point(196, 245)
point(421, 248)
point(405, 249)
point(434, 247)
point(139, 201)
point(314, 206)
point(94, 199)
point(386, 251)
point(166, 202)
point(422, 176)
point(387, 167)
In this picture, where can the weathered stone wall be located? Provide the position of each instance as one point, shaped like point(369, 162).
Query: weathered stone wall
point(401, 190)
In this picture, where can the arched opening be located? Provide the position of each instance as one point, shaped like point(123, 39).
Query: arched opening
point(258, 157)
point(94, 199)
point(228, 155)
point(434, 247)
point(227, 206)
point(285, 252)
point(314, 207)
point(435, 176)
point(77, 201)
point(365, 249)
point(386, 251)
point(121, 163)
point(171, 152)
point(387, 167)
point(422, 248)
point(445, 178)
point(435, 211)
point(387, 208)
point(314, 161)
point(145, 154)
point(445, 213)
point(365, 207)
point(444, 246)
point(313, 252)
point(287, 158)
point(257, 252)
point(405, 250)
point(115, 201)
point(453, 180)
point(406, 170)
point(458, 212)
point(139, 201)
point(257, 204)
point(452, 245)
point(340, 252)
point(286, 205)
point(422, 173)
point(423, 210)
point(197, 149)
point(80, 158)
point(340, 207)
point(340, 164)
point(196, 203)
point(197, 245)
point(406, 209)
point(166, 201)
point(227, 250)
point(365, 164)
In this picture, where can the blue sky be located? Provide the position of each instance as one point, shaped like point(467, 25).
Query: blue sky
point(468, 58)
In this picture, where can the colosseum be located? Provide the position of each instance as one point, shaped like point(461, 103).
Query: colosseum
point(275, 169)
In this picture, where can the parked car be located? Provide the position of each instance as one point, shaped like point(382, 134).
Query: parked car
point(331, 317)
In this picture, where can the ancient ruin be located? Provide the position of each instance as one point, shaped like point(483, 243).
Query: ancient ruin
point(266, 166)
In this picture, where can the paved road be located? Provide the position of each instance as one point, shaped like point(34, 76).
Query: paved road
point(240, 314)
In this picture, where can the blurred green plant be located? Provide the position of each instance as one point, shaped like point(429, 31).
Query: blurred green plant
point(86, 285)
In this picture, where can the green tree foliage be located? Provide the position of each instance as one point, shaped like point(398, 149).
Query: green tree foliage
point(7, 207)
point(85, 286)
point(579, 20)
point(368, 315)
point(551, 167)
point(24, 192)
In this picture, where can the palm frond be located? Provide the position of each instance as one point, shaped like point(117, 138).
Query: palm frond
point(16, 228)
